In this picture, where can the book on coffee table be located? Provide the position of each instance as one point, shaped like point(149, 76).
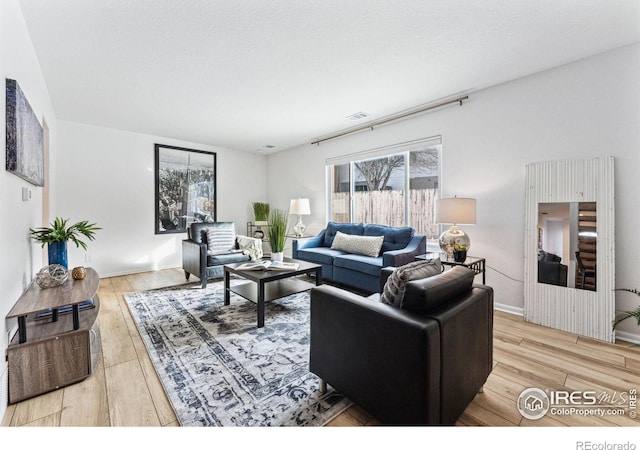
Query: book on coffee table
point(268, 265)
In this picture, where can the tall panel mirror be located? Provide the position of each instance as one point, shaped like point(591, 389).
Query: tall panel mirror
point(567, 250)
point(570, 247)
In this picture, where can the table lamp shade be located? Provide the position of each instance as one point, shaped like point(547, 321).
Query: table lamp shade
point(299, 206)
point(458, 211)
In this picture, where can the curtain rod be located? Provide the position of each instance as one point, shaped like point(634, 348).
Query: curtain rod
point(391, 119)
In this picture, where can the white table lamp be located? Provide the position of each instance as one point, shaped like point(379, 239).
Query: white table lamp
point(299, 206)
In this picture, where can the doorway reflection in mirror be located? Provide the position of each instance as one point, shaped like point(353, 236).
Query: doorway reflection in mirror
point(567, 237)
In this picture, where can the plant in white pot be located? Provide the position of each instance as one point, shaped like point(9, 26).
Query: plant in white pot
point(277, 233)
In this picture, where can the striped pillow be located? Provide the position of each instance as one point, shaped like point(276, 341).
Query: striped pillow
point(221, 238)
point(394, 288)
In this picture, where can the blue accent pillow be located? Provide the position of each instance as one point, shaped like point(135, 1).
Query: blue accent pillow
point(395, 238)
point(346, 228)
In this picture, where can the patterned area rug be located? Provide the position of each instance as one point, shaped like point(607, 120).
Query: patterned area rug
point(218, 369)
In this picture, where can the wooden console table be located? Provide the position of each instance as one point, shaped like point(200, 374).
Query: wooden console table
point(60, 348)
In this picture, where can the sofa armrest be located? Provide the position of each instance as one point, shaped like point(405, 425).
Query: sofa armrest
point(194, 258)
point(466, 327)
point(385, 359)
point(417, 246)
point(310, 242)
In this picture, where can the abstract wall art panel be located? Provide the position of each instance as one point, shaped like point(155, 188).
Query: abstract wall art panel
point(25, 150)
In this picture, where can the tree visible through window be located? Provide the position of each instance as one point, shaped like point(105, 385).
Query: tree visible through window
point(378, 190)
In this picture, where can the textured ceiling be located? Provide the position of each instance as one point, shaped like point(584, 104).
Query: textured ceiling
point(251, 73)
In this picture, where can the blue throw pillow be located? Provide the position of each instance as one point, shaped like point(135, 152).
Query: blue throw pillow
point(346, 228)
point(395, 238)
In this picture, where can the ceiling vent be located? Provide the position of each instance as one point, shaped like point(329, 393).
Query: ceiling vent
point(358, 116)
point(264, 148)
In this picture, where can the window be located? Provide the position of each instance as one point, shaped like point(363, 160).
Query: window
point(395, 186)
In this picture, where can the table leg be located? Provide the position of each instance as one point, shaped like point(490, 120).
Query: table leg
point(76, 316)
point(319, 276)
point(227, 289)
point(261, 304)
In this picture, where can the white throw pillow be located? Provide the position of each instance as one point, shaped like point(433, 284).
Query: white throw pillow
point(359, 245)
point(395, 286)
point(221, 239)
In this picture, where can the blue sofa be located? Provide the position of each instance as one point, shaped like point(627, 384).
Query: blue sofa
point(400, 246)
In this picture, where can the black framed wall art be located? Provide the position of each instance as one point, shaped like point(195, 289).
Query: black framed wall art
point(185, 188)
point(25, 137)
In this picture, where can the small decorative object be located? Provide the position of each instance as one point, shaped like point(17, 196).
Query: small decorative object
point(78, 273)
point(277, 233)
point(459, 252)
point(51, 276)
point(57, 235)
point(299, 206)
point(258, 234)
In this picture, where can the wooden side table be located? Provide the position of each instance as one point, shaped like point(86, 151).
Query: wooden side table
point(472, 262)
point(58, 349)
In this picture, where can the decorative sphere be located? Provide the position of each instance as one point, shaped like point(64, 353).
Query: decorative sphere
point(78, 273)
point(453, 235)
point(52, 275)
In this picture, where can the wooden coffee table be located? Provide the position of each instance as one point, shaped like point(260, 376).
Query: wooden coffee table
point(267, 285)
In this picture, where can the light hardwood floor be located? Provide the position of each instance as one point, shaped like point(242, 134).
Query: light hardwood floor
point(125, 391)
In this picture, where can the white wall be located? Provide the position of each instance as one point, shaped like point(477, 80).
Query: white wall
point(20, 259)
point(107, 176)
point(585, 109)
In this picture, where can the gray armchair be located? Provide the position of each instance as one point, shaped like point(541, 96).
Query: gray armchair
point(211, 245)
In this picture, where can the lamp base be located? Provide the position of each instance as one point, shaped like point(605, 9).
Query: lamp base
point(298, 229)
point(453, 235)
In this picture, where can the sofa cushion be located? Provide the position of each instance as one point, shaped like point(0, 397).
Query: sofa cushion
point(359, 245)
point(423, 296)
point(394, 288)
point(226, 258)
point(346, 228)
point(221, 238)
point(395, 238)
point(359, 263)
point(319, 255)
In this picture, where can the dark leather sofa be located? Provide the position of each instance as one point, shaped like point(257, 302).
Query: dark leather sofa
point(419, 364)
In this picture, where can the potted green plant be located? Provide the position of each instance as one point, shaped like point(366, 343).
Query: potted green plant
point(623, 315)
point(277, 233)
point(261, 213)
point(459, 252)
point(59, 233)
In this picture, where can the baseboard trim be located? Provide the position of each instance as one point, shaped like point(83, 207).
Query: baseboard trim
point(633, 338)
point(509, 309)
point(628, 337)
